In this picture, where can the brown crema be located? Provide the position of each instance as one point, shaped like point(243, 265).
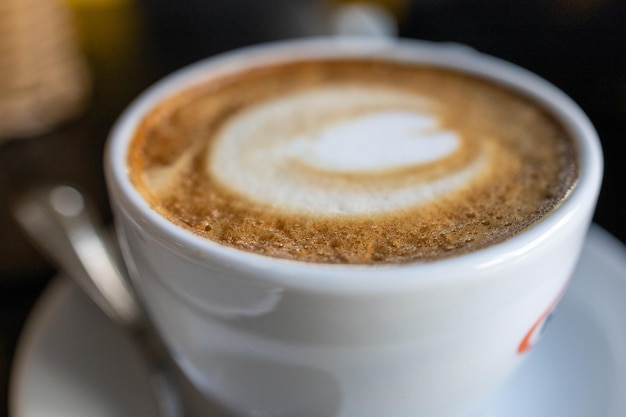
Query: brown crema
point(531, 164)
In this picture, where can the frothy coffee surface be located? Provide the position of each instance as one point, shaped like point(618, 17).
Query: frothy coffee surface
point(352, 161)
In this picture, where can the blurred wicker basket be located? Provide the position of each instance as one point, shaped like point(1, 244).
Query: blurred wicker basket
point(43, 77)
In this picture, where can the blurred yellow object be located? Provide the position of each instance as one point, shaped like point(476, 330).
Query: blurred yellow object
point(109, 32)
point(94, 3)
point(43, 77)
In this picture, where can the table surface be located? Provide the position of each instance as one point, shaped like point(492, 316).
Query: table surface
point(580, 47)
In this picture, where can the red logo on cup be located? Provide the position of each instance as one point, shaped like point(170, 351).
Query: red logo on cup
point(536, 330)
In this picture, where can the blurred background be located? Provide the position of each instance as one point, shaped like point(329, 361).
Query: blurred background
point(69, 67)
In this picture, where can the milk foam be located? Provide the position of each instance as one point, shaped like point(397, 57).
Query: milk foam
point(324, 151)
point(378, 141)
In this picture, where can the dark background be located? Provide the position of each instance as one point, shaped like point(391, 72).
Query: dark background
point(579, 45)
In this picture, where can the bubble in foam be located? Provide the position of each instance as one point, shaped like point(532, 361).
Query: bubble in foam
point(325, 151)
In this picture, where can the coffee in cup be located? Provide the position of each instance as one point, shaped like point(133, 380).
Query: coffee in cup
point(352, 160)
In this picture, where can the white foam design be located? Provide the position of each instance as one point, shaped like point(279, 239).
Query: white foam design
point(287, 152)
point(378, 141)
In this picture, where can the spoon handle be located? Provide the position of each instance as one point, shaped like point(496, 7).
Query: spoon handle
point(58, 220)
point(62, 223)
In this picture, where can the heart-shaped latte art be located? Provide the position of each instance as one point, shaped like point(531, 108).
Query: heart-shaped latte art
point(338, 150)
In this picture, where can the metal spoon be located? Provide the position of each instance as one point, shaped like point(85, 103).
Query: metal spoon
point(61, 222)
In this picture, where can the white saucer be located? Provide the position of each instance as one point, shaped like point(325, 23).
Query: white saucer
point(72, 362)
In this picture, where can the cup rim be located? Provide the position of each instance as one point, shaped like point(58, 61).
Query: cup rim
point(349, 276)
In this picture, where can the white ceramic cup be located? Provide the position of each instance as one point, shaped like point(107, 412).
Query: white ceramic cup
point(261, 336)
